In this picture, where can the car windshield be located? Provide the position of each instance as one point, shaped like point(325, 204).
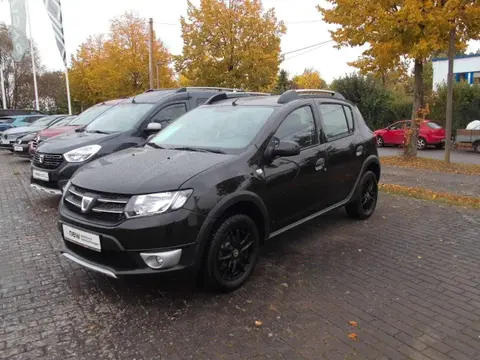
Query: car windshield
point(433, 125)
point(121, 118)
point(44, 121)
point(89, 115)
point(215, 127)
point(62, 122)
point(6, 120)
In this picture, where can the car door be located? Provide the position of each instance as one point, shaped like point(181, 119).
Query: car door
point(395, 134)
point(167, 114)
point(344, 151)
point(294, 184)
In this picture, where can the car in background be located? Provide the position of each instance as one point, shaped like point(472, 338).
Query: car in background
point(22, 144)
point(16, 112)
point(10, 136)
point(9, 122)
point(430, 134)
point(203, 195)
point(126, 125)
point(82, 120)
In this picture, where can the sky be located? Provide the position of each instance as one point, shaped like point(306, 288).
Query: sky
point(82, 18)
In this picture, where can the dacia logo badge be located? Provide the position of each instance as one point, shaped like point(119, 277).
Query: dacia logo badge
point(86, 202)
point(41, 158)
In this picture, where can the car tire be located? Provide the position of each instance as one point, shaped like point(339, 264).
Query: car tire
point(476, 147)
point(229, 262)
point(366, 198)
point(380, 142)
point(421, 143)
point(439, 146)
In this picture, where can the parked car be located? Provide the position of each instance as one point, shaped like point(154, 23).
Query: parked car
point(206, 192)
point(10, 136)
point(430, 134)
point(469, 139)
point(23, 143)
point(17, 112)
point(9, 122)
point(82, 120)
point(128, 124)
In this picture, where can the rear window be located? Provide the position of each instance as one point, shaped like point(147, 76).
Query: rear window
point(433, 125)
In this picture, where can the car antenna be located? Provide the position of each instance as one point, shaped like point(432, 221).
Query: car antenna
point(234, 103)
point(133, 100)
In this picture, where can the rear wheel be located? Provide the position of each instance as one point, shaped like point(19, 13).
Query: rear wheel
point(233, 253)
point(439, 146)
point(421, 143)
point(476, 147)
point(380, 141)
point(364, 205)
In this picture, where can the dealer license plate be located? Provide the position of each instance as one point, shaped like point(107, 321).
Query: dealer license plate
point(18, 148)
point(40, 175)
point(82, 238)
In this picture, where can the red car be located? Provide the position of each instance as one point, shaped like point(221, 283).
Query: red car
point(430, 134)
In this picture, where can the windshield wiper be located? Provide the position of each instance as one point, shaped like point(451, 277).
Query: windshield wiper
point(186, 148)
point(152, 144)
point(97, 132)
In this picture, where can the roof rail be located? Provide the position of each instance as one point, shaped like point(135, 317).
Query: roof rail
point(222, 89)
point(152, 90)
point(232, 95)
point(291, 95)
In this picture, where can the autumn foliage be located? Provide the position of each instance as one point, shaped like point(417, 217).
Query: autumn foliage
point(115, 65)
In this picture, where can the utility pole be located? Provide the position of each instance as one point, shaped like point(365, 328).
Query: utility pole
point(2, 84)
point(448, 125)
point(150, 53)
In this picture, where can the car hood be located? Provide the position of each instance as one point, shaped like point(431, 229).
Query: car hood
point(73, 140)
point(22, 130)
point(50, 132)
point(142, 171)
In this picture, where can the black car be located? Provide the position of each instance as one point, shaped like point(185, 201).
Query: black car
point(205, 193)
point(126, 125)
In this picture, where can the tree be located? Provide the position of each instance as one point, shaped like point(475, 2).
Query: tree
point(398, 30)
point(115, 65)
point(283, 82)
point(231, 43)
point(310, 79)
point(53, 92)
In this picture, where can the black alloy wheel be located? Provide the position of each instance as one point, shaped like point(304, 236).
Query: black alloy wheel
point(366, 199)
point(233, 253)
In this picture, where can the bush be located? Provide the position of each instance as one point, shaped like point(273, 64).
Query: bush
point(466, 105)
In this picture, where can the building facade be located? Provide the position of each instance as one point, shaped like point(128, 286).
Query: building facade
point(465, 68)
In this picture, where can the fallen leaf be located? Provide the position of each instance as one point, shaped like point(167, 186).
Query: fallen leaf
point(419, 257)
point(353, 323)
point(431, 164)
point(258, 323)
point(353, 336)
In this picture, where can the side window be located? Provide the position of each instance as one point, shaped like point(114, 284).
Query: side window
point(334, 121)
point(348, 113)
point(201, 101)
point(299, 126)
point(170, 113)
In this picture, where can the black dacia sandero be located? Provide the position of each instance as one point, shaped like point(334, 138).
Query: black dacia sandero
point(207, 191)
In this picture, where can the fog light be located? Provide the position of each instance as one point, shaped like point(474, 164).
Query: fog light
point(162, 260)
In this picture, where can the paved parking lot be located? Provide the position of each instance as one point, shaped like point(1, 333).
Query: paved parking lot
point(409, 277)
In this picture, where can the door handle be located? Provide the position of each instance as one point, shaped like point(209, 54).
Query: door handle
point(320, 164)
point(359, 150)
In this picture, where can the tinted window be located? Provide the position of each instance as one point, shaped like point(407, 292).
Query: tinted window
point(433, 125)
point(89, 115)
point(225, 127)
point(299, 126)
point(348, 113)
point(62, 122)
point(201, 101)
point(334, 121)
point(32, 119)
point(170, 113)
point(120, 118)
point(399, 125)
point(6, 120)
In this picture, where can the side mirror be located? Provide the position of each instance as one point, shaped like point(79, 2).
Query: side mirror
point(153, 127)
point(286, 148)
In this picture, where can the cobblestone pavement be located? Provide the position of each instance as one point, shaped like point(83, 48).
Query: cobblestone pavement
point(409, 277)
point(465, 156)
point(468, 185)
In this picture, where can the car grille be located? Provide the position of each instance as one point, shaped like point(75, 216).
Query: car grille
point(36, 142)
point(50, 161)
point(108, 208)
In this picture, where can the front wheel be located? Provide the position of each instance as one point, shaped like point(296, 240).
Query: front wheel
point(476, 147)
point(439, 146)
point(380, 141)
point(365, 203)
point(233, 253)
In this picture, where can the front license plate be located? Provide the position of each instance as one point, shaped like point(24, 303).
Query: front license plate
point(82, 238)
point(18, 148)
point(40, 175)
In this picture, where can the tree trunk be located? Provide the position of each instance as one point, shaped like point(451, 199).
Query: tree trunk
point(418, 103)
point(449, 110)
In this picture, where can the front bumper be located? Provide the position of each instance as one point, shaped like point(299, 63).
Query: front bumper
point(57, 178)
point(6, 146)
point(125, 247)
point(21, 150)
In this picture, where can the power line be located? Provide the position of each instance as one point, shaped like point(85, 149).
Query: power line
point(301, 22)
point(310, 50)
point(307, 47)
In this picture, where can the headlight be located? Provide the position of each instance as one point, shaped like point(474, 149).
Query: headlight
point(82, 154)
point(153, 204)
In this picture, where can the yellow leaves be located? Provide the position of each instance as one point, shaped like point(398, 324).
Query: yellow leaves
point(310, 79)
point(353, 336)
point(230, 43)
point(426, 194)
point(431, 164)
point(116, 64)
point(353, 323)
point(258, 323)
